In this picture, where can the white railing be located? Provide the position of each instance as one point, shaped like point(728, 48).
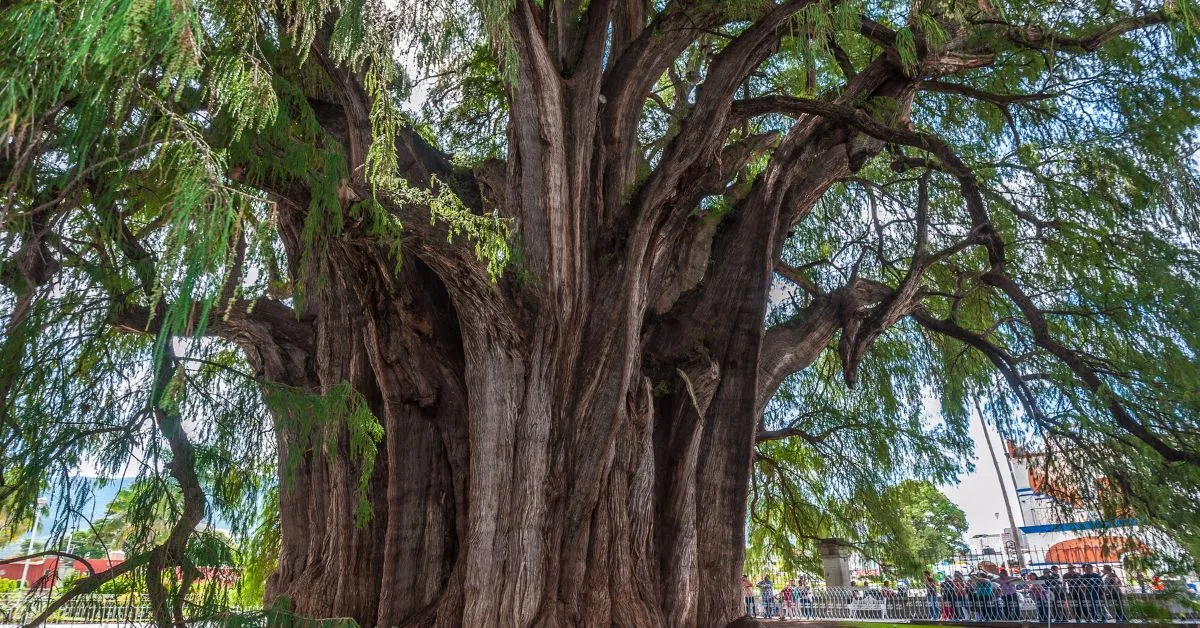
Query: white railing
point(21, 607)
point(1102, 604)
point(826, 603)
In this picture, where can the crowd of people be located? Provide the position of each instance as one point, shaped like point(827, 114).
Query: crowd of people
point(1079, 596)
point(1082, 594)
point(794, 600)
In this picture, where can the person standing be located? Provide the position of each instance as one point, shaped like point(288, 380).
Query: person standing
point(983, 597)
point(948, 598)
point(748, 595)
point(1074, 594)
point(1040, 596)
point(962, 597)
point(1092, 586)
point(787, 597)
point(1058, 594)
point(1008, 595)
point(767, 590)
point(887, 595)
point(931, 599)
point(804, 598)
point(1114, 594)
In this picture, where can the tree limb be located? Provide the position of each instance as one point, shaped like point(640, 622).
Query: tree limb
point(89, 584)
point(982, 230)
point(790, 347)
point(974, 93)
point(1038, 38)
point(1078, 365)
point(812, 439)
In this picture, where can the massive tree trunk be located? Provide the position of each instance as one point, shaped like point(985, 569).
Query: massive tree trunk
point(571, 445)
point(568, 458)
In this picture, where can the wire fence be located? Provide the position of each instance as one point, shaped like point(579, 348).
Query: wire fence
point(1040, 604)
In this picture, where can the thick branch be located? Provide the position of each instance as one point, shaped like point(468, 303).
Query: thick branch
point(859, 334)
point(974, 93)
point(797, 276)
point(88, 585)
point(792, 346)
point(982, 230)
point(1078, 365)
point(998, 357)
point(1045, 39)
point(812, 439)
point(703, 130)
point(182, 467)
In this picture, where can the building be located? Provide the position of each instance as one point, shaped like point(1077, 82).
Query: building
point(1059, 528)
point(44, 571)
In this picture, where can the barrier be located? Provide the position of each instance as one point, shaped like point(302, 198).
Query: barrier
point(1044, 604)
point(1073, 603)
point(20, 607)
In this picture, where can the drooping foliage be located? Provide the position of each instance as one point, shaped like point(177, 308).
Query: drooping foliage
point(1011, 217)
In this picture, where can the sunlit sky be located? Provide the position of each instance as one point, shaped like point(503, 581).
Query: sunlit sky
point(979, 493)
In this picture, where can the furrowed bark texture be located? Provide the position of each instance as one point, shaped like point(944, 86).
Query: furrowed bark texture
point(570, 446)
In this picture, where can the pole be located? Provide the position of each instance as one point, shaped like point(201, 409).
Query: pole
point(1012, 521)
point(1013, 476)
point(37, 514)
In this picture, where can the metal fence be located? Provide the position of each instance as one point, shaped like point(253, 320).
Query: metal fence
point(1082, 603)
point(19, 608)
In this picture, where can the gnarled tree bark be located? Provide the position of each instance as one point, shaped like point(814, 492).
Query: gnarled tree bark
point(573, 450)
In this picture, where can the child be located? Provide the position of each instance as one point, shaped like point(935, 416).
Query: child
point(788, 595)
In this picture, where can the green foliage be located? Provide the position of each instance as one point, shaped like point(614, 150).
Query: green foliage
point(848, 472)
point(320, 422)
point(121, 585)
point(138, 516)
point(1093, 185)
point(7, 586)
point(468, 107)
point(15, 521)
point(937, 526)
point(152, 134)
point(259, 553)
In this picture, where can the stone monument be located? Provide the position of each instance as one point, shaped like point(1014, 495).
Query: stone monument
point(835, 559)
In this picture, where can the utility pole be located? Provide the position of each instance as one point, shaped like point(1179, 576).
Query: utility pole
point(37, 514)
point(1012, 521)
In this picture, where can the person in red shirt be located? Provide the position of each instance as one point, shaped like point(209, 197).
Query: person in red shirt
point(788, 595)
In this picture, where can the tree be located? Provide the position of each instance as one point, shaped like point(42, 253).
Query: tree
point(509, 358)
point(137, 516)
point(938, 525)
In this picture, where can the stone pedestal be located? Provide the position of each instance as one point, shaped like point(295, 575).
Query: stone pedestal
point(835, 559)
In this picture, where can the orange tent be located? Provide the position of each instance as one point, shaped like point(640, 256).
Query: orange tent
point(1090, 549)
